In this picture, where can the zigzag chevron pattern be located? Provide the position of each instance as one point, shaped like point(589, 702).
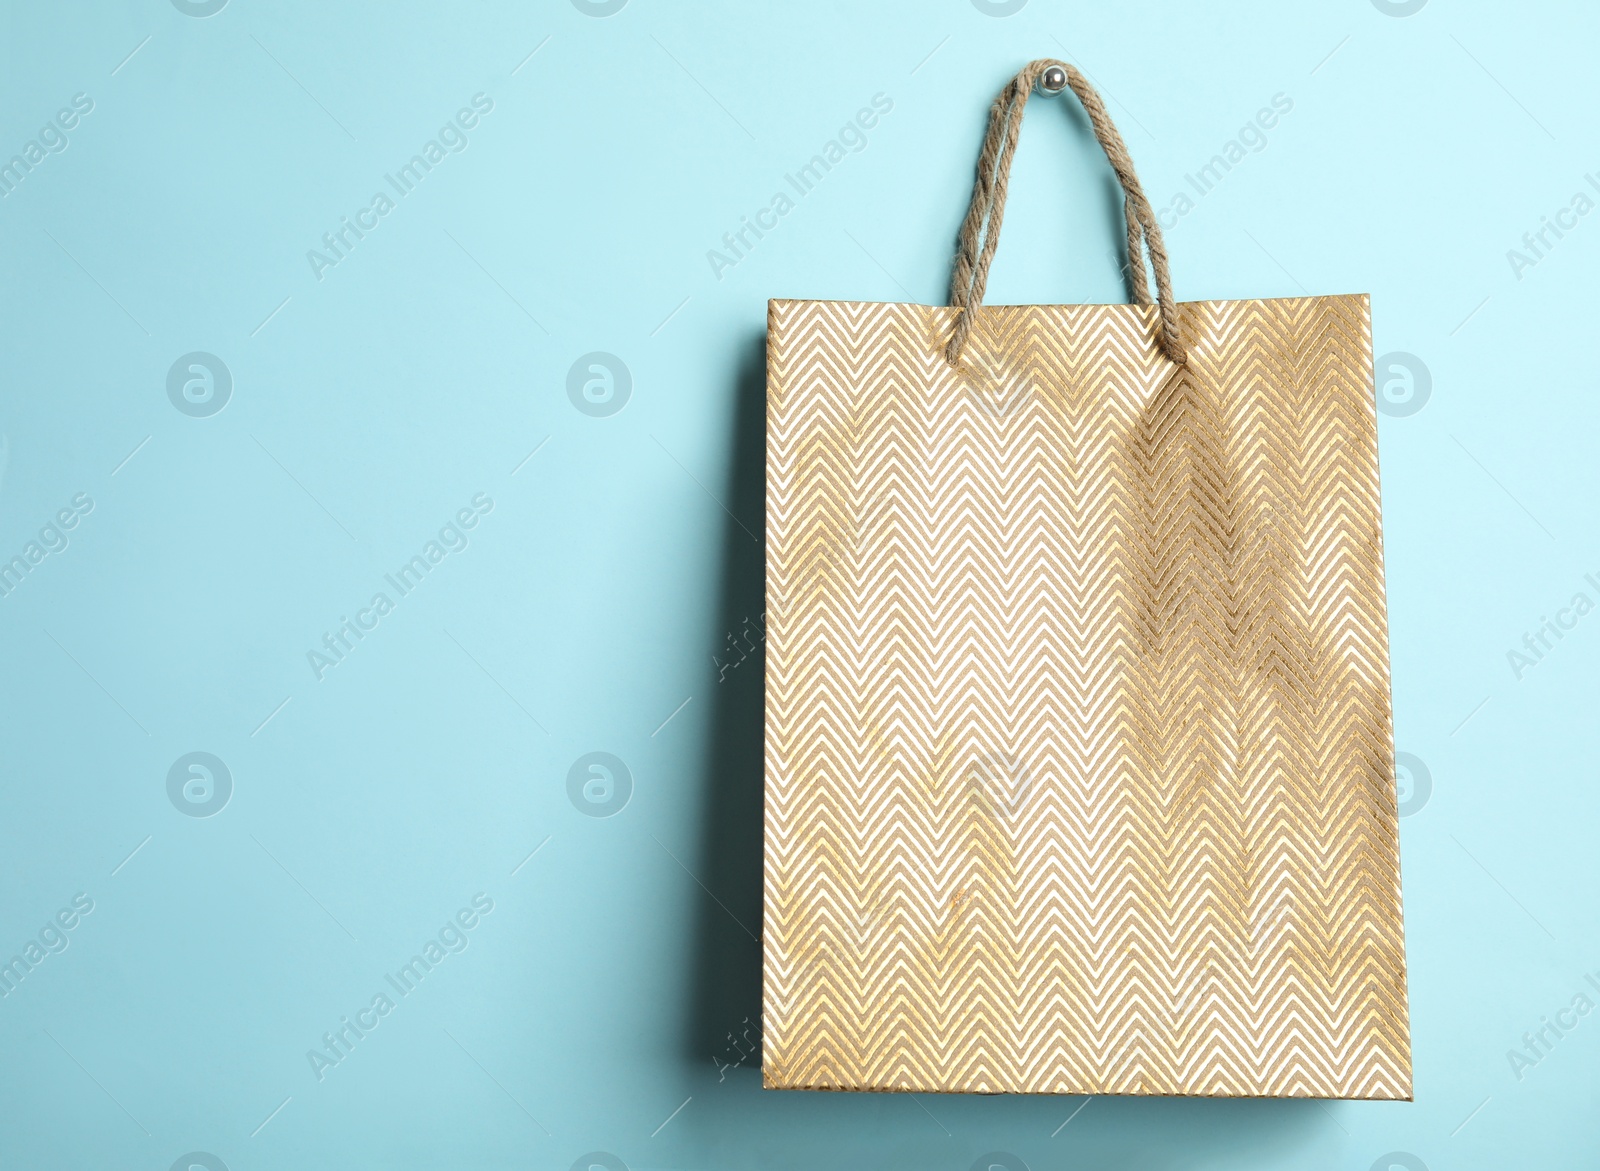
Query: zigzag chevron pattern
point(1079, 770)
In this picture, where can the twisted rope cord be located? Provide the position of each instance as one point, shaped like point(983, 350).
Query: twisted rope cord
point(1138, 282)
point(980, 231)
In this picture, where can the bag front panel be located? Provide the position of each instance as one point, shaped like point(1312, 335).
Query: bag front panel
point(1079, 767)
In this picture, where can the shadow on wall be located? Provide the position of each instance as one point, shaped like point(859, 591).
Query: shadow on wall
point(727, 975)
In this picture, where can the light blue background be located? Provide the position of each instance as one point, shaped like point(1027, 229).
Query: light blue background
point(593, 608)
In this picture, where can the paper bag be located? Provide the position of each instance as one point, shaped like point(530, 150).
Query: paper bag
point(1079, 769)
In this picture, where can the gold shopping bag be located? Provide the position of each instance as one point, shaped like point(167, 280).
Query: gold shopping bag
point(1079, 768)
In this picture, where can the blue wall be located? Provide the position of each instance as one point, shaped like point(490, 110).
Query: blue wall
point(521, 403)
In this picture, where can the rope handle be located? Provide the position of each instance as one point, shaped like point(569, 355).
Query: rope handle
point(980, 232)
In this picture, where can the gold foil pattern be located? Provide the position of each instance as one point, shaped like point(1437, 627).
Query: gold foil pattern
point(1079, 769)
